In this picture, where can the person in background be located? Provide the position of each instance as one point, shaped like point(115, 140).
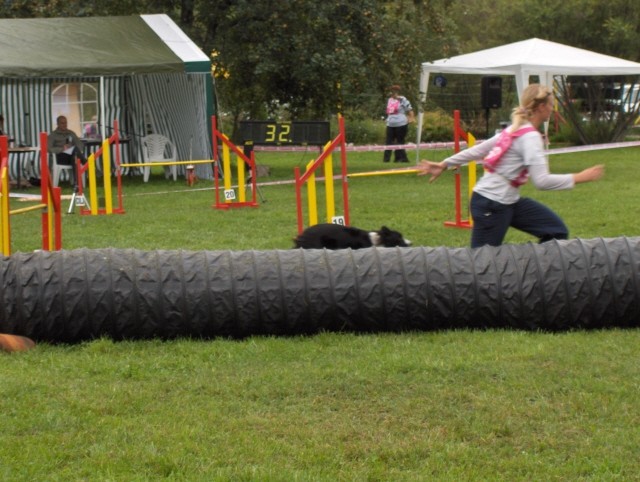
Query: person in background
point(496, 203)
point(91, 129)
point(399, 115)
point(66, 146)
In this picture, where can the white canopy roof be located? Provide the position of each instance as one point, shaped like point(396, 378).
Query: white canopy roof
point(524, 59)
point(530, 57)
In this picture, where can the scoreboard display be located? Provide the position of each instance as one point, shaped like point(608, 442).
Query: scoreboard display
point(269, 133)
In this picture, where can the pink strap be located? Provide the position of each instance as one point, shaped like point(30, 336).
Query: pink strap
point(522, 131)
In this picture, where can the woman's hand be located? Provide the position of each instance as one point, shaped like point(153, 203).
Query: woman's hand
point(592, 173)
point(434, 169)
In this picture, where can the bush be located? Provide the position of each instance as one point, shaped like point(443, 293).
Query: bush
point(364, 131)
point(566, 134)
point(437, 127)
point(596, 131)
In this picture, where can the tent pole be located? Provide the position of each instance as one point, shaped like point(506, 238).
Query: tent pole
point(102, 109)
point(422, 89)
point(26, 134)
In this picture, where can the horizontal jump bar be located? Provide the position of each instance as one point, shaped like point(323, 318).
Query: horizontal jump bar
point(30, 208)
point(169, 163)
point(383, 173)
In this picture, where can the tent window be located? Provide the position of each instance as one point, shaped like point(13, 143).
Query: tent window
point(77, 101)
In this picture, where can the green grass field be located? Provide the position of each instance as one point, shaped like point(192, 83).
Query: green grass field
point(452, 405)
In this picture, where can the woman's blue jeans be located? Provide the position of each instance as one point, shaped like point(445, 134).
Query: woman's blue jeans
point(491, 220)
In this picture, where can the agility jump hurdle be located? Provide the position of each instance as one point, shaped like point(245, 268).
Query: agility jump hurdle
point(326, 161)
point(90, 168)
point(229, 194)
point(458, 135)
point(51, 219)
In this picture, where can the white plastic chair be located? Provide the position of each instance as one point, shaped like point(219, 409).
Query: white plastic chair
point(155, 148)
point(57, 170)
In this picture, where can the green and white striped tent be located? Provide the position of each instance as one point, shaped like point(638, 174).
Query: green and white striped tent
point(152, 78)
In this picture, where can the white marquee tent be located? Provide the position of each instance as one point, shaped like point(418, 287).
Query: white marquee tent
point(533, 57)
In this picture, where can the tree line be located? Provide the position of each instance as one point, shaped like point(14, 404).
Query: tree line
point(305, 59)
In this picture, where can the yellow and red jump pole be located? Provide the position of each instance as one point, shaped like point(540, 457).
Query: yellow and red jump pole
point(104, 152)
point(51, 197)
point(5, 237)
point(458, 134)
point(242, 160)
point(51, 219)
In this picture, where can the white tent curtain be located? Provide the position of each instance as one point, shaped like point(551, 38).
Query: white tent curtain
point(26, 106)
point(171, 103)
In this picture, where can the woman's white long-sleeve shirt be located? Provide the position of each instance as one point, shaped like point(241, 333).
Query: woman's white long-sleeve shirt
point(525, 152)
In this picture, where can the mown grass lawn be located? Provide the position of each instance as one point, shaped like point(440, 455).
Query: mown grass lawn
point(451, 405)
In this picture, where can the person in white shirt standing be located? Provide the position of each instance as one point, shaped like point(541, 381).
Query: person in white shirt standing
point(399, 114)
point(496, 203)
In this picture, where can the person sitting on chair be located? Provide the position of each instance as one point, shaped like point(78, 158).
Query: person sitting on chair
point(66, 145)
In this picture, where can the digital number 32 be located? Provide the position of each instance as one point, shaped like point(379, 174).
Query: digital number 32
point(283, 134)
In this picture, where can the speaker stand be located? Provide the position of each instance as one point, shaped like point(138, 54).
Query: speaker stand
point(486, 121)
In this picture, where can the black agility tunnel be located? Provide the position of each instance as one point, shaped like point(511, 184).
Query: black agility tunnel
point(70, 296)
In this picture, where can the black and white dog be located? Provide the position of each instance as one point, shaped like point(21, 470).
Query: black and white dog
point(336, 236)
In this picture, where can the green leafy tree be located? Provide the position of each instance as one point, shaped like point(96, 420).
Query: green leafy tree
point(300, 57)
point(307, 59)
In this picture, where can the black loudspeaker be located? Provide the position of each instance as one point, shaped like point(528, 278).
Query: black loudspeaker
point(491, 92)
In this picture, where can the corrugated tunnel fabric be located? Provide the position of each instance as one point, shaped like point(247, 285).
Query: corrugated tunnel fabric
point(70, 296)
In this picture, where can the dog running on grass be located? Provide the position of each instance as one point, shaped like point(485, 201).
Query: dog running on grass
point(336, 236)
